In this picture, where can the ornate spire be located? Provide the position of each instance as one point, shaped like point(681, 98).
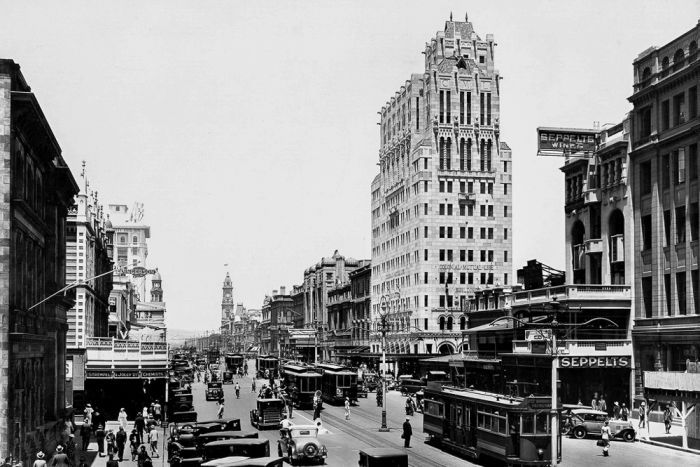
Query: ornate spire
point(450, 16)
point(466, 16)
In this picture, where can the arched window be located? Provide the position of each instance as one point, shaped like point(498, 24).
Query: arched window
point(135, 239)
point(441, 323)
point(448, 154)
point(462, 323)
point(678, 60)
point(449, 323)
point(578, 233)
point(469, 154)
point(462, 154)
point(646, 74)
point(442, 153)
point(482, 156)
point(664, 66)
point(692, 51)
point(488, 155)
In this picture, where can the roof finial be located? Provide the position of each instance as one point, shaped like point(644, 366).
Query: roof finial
point(466, 16)
point(450, 16)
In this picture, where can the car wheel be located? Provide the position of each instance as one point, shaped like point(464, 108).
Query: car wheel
point(628, 436)
point(579, 432)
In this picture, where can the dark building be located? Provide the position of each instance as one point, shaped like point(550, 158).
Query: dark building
point(38, 190)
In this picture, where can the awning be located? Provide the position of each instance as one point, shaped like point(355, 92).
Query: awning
point(359, 349)
point(253, 348)
point(501, 326)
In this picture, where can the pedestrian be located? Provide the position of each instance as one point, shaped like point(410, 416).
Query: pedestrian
point(100, 437)
point(347, 408)
point(237, 387)
point(220, 412)
point(88, 413)
point(110, 442)
point(60, 459)
point(111, 462)
point(70, 448)
point(144, 413)
point(140, 425)
point(97, 419)
point(317, 407)
point(668, 419)
point(602, 405)
point(122, 418)
point(121, 443)
point(290, 407)
point(143, 459)
point(252, 388)
point(157, 411)
point(594, 401)
point(39, 462)
point(134, 444)
point(85, 433)
point(616, 411)
point(605, 435)
point(642, 415)
point(153, 440)
point(624, 412)
point(407, 433)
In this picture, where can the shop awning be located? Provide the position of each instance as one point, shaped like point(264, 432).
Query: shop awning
point(501, 326)
point(253, 348)
point(359, 349)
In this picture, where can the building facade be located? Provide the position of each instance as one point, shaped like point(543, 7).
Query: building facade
point(442, 202)
point(227, 305)
point(131, 236)
point(664, 170)
point(38, 190)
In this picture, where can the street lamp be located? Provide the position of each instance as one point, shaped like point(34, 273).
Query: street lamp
point(555, 365)
point(383, 316)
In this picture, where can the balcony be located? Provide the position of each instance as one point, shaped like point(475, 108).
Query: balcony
point(106, 353)
point(572, 292)
point(672, 380)
point(467, 199)
point(578, 348)
point(591, 196)
point(593, 246)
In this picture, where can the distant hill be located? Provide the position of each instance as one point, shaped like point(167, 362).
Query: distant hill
point(177, 336)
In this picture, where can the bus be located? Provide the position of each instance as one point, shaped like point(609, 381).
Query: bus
point(269, 363)
point(301, 383)
point(234, 361)
point(470, 422)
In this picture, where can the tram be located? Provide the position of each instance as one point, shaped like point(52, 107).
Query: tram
point(301, 382)
point(266, 362)
point(513, 430)
point(337, 384)
point(234, 361)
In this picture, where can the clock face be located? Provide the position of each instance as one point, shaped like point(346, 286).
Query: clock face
point(228, 295)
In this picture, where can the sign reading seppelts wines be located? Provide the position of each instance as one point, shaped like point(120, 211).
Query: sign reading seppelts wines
point(594, 362)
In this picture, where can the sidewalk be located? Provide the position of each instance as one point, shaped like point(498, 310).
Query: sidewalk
point(92, 459)
point(655, 434)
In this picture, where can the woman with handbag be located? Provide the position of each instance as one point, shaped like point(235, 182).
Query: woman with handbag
point(605, 441)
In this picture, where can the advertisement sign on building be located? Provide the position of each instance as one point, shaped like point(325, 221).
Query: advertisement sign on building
point(565, 141)
point(594, 362)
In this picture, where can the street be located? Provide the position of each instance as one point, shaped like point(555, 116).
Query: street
point(345, 438)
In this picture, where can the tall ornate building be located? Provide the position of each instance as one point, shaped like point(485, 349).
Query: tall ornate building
point(227, 306)
point(441, 203)
point(37, 192)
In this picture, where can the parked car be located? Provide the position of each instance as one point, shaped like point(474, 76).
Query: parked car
point(205, 438)
point(248, 447)
point(215, 391)
point(301, 443)
point(584, 422)
point(239, 461)
point(383, 457)
point(267, 414)
point(209, 426)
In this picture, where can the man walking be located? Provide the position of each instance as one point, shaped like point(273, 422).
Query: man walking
point(668, 419)
point(602, 405)
point(85, 433)
point(407, 433)
point(237, 388)
point(347, 408)
point(643, 415)
point(122, 418)
point(157, 409)
point(121, 442)
point(153, 440)
point(140, 425)
point(100, 437)
point(220, 413)
point(253, 386)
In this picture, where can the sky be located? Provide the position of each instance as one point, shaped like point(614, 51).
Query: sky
point(249, 128)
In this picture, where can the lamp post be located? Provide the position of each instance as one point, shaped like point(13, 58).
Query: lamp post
point(554, 419)
point(383, 307)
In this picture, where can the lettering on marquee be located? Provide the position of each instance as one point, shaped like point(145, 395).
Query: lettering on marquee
point(594, 362)
point(465, 267)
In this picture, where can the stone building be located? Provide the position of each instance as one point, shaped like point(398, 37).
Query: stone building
point(664, 173)
point(38, 190)
point(88, 255)
point(277, 314)
point(442, 201)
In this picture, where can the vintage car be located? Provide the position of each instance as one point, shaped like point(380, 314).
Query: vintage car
point(205, 438)
point(239, 461)
point(410, 385)
point(300, 443)
point(181, 402)
point(584, 422)
point(215, 391)
point(209, 426)
point(188, 416)
point(383, 457)
point(267, 414)
point(248, 447)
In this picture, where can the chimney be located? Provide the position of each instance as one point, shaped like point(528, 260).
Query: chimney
point(282, 290)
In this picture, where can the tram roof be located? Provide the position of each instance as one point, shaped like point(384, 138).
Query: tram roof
point(484, 396)
point(300, 369)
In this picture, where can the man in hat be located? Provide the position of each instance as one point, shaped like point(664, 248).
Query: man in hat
point(100, 437)
point(70, 448)
point(85, 433)
point(120, 438)
point(39, 462)
point(616, 411)
point(88, 413)
point(642, 415)
point(60, 459)
point(407, 433)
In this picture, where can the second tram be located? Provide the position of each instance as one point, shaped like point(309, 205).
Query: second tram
point(234, 361)
point(514, 430)
point(301, 382)
point(266, 363)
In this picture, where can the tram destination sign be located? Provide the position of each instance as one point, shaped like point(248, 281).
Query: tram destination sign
point(594, 362)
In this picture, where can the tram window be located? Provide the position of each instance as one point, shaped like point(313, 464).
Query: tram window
point(541, 423)
point(528, 424)
point(434, 408)
point(458, 418)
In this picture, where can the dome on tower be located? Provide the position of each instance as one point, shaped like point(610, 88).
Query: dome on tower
point(156, 276)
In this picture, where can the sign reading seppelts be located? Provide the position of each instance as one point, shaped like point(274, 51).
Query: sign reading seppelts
point(594, 362)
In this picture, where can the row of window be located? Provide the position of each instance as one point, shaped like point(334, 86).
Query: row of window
point(680, 299)
point(678, 235)
point(465, 107)
point(673, 169)
point(465, 154)
point(468, 255)
point(674, 112)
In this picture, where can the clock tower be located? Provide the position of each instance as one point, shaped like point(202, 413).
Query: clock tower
point(227, 307)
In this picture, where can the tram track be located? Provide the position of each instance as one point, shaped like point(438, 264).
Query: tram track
point(414, 459)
